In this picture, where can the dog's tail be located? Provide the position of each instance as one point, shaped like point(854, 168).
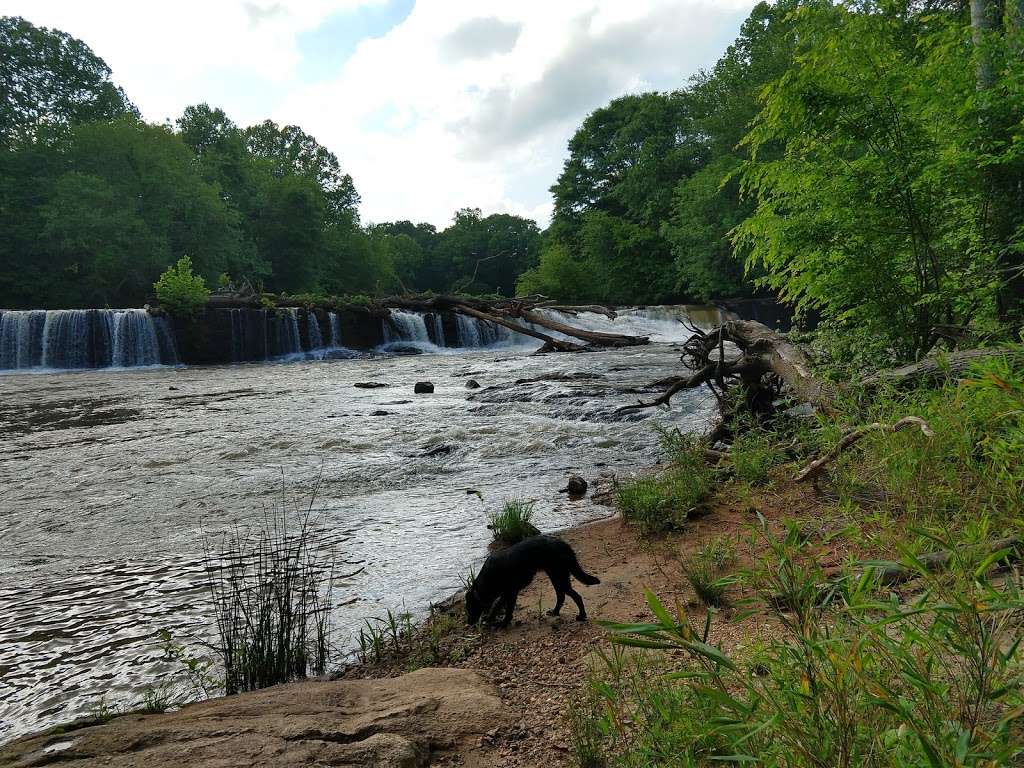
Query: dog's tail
point(582, 576)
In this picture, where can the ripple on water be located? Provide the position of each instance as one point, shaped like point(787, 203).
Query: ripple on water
point(101, 528)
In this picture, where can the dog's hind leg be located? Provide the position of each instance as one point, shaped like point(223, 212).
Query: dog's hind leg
point(559, 585)
point(582, 616)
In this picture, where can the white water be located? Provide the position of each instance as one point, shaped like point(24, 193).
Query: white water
point(316, 338)
point(80, 338)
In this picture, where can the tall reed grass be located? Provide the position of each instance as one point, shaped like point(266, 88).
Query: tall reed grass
point(271, 592)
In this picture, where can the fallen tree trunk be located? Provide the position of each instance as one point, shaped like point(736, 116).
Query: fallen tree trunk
point(852, 437)
point(767, 360)
point(932, 371)
point(549, 341)
point(596, 338)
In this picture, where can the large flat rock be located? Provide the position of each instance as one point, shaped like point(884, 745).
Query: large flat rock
point(401, 721)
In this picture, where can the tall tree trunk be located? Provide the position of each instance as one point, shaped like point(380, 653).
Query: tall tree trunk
point(984, 21)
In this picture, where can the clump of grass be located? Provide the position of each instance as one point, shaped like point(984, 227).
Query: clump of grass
point(271, 594)
point(513, 522)
point(705, 570)
point(664, 502)
point(753, 456)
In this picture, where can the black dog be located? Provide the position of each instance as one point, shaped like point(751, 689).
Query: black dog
point(504, 574)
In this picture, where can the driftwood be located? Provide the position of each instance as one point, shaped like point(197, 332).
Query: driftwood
point(760, 359)
point(853, 436)
point(505, 312)
point(596, 338)
point(549, 341)
point(932, 371)
point(897, 573)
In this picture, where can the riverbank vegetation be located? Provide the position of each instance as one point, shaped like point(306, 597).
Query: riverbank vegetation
point(902, 650)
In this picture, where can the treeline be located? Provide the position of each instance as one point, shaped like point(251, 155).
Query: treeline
point(863, 158)
point(95, 203)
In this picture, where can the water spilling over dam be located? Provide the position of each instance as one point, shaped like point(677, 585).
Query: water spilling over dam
point(73, 339)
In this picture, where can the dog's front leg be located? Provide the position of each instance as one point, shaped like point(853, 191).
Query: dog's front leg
point(510, 606)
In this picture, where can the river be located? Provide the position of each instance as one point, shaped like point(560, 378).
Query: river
point(111, 480)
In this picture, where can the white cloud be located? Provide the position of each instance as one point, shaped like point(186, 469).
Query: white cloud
point(464, 103)
point(491, 132)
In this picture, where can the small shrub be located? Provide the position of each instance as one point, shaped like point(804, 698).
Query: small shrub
point(157, 699)
point(512, 523)
point(181, 292)
point(705, 570)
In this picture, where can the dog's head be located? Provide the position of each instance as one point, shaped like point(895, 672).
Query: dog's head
point(474, 605)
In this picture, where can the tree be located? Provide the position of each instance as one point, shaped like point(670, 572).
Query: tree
point(872, 212)
point(290, 151)
point(125, 201)
point(50, 81)
point(615, 191)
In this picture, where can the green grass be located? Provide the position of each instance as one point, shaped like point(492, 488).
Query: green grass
point(513, 522)
point(705, 570)
point(753, 456)
point(663, 503)
point(855, 677)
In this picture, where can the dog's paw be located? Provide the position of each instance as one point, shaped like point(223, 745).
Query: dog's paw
point(552, 612)
point(581, 617)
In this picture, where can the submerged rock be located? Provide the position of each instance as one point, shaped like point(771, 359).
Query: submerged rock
point(576, 486)
point(423, 388)
point(442, 450)
point(472, 384)
point(369, 384)
point(404, 349)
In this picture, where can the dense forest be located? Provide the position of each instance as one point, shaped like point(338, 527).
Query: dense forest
point(95, 203)
point(863, 159)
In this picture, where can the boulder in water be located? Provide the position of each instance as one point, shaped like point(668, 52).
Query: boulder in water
point(423, 388)
point(369, 384)
point(576, 486)
point(380, 413)
point(442, 450)
point(404, 349)
point(472, 384)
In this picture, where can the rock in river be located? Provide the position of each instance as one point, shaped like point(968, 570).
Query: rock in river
point(472, 384)
point(423, 388)
point(576, 486)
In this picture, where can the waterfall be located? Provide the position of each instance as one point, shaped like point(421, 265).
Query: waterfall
point(335, 329)
point(316, 338)
point(84, 338)
point(438, 327)
point(469, 331)
point(405, 326)
point(284, 336)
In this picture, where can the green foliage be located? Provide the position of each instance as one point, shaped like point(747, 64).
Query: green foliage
point(705, 570)
point(51, 81)
point(856, 678)
point(876, 210)
point(663, 502)
point(181, 292)
point(752, 455)
point(513, 522)
point(972, 463)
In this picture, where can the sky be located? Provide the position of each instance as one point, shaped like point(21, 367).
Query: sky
point(431, 105)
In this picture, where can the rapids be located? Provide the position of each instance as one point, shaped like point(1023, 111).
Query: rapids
point(110, 481)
